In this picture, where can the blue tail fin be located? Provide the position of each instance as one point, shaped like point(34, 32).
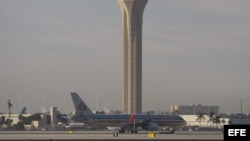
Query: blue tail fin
point(23, 111)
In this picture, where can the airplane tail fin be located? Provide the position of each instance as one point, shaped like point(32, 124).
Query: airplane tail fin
point(23, 111)
point(80, 107)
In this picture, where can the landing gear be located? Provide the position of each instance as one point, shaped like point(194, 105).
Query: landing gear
point(122, 131)
point(172, 131)
point(115, 134)
point(134, 132)
point(128, 131)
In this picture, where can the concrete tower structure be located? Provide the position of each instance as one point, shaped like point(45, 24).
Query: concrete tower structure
point(53, 116)
point(132, 14)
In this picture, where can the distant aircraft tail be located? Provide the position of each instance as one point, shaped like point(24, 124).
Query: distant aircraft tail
point(23, 111)
point(80, 107)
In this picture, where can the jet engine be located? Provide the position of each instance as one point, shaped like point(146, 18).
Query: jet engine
point(151, 126)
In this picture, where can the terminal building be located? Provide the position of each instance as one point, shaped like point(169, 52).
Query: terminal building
point(190, 114)
point(193, 109)
point(48, 121)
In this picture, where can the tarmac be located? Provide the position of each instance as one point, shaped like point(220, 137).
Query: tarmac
point(108, 136)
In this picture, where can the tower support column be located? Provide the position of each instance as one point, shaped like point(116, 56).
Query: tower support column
point(132, 18)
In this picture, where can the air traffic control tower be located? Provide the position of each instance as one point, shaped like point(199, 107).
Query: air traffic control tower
point(132, 17)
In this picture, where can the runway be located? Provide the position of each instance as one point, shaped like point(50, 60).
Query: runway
point(107, 135)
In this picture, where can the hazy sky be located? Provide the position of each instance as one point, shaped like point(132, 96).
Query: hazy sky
point(193, 52)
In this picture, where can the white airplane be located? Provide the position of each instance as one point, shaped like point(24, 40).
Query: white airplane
point(123, 122)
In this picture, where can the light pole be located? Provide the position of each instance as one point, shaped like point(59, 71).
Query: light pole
point(96, 106)
point(9, 106)
point(134, 125)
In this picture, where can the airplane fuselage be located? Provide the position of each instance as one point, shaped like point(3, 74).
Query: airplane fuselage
point(103, 120)
point(124, 121)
